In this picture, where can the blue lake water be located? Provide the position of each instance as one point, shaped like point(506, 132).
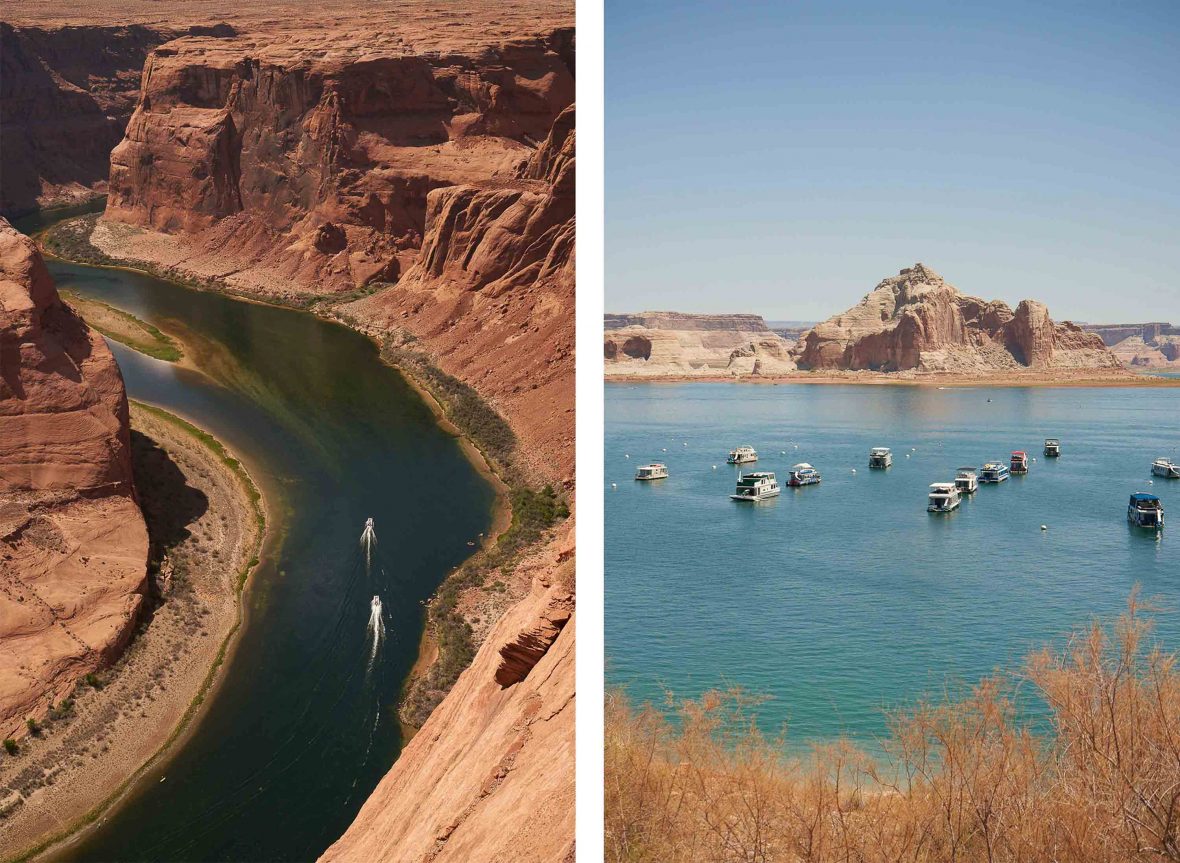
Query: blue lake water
point(839, 600)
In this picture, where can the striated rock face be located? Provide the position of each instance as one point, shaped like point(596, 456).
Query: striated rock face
point(66, 93)
point(490, 776)
point(303, 162)
point(653, 344)
point(1153, 345)
point(73, 545)
point(918, 321)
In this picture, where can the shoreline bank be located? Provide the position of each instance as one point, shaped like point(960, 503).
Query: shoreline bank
point(134, 715)
point(925, 379)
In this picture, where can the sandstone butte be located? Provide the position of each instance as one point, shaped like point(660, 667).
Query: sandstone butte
point(73, 544)
point(413, 163)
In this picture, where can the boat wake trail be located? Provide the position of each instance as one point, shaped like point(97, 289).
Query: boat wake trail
point(368, 540)
point(376, 628)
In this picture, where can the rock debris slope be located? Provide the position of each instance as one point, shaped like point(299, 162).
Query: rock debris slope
point(73, 545)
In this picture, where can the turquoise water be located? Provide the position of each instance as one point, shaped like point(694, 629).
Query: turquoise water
point(839, 600)
point(301, 728)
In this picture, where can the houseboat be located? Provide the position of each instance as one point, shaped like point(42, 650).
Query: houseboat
point(803, 474)
point(742, 455)
point(756, 486)
point(966, 480)
point(944, 497)
point(1166, 468)
point(880, 457)
point(655, 470)
point(993, 471)
point(1019, 461)
point(1146, 510)
point(1052, 447)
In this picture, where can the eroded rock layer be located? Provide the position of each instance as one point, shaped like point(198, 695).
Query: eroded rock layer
point(918, 321)
point(653, 344)
point(1153, 345)
point(73, 545)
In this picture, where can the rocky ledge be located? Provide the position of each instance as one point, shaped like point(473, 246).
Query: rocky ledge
point(73, 545)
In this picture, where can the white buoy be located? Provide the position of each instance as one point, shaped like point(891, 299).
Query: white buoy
point(854, 470)
point(714, 467)
point(1044, 527)
point(782, 452)
point(627, 455)
point(665, 449)
point(686, 443)
point(614, 485)
point(907, 455)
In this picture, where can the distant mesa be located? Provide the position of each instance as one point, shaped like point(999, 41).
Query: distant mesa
point(656, 344)
point(1154, 345)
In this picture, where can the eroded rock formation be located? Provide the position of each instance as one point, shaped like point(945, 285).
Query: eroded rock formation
point(73, 545)
point(653, 344)
point(918, 321)
point(1153, 345)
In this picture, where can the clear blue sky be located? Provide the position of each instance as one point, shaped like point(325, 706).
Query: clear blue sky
point(783, 158)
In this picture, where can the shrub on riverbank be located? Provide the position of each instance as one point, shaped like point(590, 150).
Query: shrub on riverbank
point(960, 781)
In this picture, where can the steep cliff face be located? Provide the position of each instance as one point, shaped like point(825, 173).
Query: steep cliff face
point(652, 344)
point(1153, 345)
point(918, 321)
point(302, 163)
point(73, 545)
point(490, 776)
point(66, 94)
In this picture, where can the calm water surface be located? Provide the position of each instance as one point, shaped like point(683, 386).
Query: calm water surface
point(301, 728)
point(842, 599)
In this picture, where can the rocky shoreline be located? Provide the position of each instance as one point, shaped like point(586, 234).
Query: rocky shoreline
point(206, 525)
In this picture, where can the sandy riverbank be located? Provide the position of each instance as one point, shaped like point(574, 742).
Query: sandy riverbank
point(205, 520)
point(1055, 378)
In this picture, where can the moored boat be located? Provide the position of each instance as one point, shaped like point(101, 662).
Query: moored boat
point(1019, 461)
point(755, 486)
point(880, 457)
point(1166, 468)
point(803, 474)
point(966, 480)
point(993, 471)
point(655, 470)
point(944, 497)
point(742, 455)
point(1052, 447)
point(1145, 510)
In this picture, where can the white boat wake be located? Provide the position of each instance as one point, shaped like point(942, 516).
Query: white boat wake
point(376, 628)
point(368, 540)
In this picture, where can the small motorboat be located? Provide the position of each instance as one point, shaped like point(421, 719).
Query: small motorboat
point(993, 471)
point(944, 497)
point(1166, 468)
point(742, 455)
point(756, 486)
point(966, 480)
point(655, 470)
point(880, 457)
point(1019, 461)
point(803, 474)
point(1052, 447)
point(376, 603)
point(1145, 510)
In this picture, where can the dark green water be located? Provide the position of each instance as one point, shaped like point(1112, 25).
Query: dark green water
point(301, 728)
point(842, 599)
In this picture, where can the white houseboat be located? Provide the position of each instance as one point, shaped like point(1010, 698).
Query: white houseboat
point(655, 470)
point(758, 485)
point(1145, 510)
point(993, 471)
point(1052, 447)
point(944, 497)
point(966, 480)
point(1019, 461)
point(803, 474)
point(742, 455)
point(880, 457)
point(1166, 468)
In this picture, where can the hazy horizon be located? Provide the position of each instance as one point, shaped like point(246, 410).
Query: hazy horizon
point(783, 161)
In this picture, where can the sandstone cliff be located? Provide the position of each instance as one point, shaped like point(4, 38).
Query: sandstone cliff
point(73, 545)
point(652, 344)
point(918, 321)
point(1153, 345)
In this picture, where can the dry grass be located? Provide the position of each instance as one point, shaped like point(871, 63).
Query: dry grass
point(960, 781)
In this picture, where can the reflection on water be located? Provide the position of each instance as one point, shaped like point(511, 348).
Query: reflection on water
point(840, 599)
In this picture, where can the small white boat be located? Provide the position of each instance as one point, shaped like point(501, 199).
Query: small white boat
point(966, 480)
point(742, 455)
point(803, 474)
point(1052, 447)
point(655, 470)
point(376, 603)
point(993, 471)
point(758, 485)
point(1019, 461)
point(1165, 467)
point(1146, 510)
point(880, 457)
point(368, 524)
point(944, 497)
